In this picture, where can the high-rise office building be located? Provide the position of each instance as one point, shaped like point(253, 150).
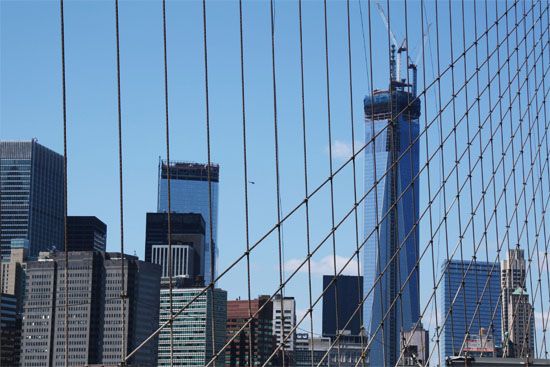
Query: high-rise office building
point(189, 193)
point(95, 311)
point(258, 332)
point(391, 214)
point(86, 233)
point(515, 306)
point(199, 331)
point(187, 240)
point(471, 293)
point(284, 320)
point(32, 191)
point(342, 305)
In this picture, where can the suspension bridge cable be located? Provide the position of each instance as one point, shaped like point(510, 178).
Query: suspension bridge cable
point(168, 181)
point(251, 361)
point(121, 190)
point(352, 128)
point(348, 260)
point(331, 186)
point(543, 221)
point(65, 191)
point(293, 211)
point(306, 183)
point(277, 178)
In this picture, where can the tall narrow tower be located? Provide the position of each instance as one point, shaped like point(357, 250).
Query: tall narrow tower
point(391, 214)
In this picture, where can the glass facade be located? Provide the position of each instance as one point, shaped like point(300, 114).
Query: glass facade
point(189, 194)
point(192, 329)
point(460, 303)
point(391, 212)
point(32, 196)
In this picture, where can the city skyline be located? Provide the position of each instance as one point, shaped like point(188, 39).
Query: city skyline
point(401, 142)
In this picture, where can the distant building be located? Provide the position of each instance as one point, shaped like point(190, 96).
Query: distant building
point(415, 347)
point(85, 233)
point(189, 193)
point(196, 339)
point(284, 320)
point(478, 345)
point(342, 303)
point(466, 306)
point(259, 332)
point(521, 316)
point(13, 271)
point(10, 331)
point(188, 242)
point(32, 191)
point(324, 352)
point(95, 311)
point(516, 308)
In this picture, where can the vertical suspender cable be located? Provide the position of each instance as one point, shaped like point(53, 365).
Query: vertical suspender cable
point(65, 191)
point(306, 188)
point(352, 127)
point(121, 194)
point(209, 178)
point(333, 235)
point(245, 185)
point(168, 173)
point(276, 137)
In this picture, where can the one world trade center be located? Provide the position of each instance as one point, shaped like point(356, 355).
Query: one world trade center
point(391, 282)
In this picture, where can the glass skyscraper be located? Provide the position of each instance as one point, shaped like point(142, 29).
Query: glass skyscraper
point(189, 194)
point(31, 195)
point(464, 300)
point(391, 212)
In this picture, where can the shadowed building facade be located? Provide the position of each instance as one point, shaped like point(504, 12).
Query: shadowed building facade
point(341, 305)
point(86, 233)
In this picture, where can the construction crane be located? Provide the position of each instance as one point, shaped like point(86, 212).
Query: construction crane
point(403, 47)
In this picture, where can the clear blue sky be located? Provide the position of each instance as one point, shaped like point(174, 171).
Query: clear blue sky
point(31, 107)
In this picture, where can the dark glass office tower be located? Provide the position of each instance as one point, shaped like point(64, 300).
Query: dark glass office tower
point(391, 214)
point(32, 196)
point(474, 305)
point(86, 234)
point(188, 241)
point(345, 297)
point(189, 193)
